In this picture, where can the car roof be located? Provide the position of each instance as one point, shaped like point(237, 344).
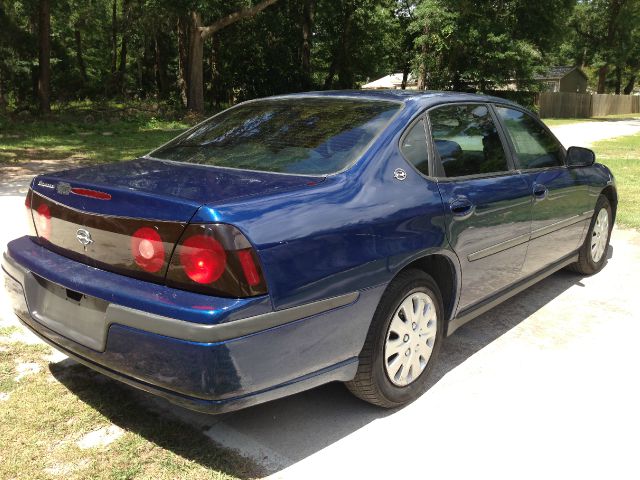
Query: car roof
point(422, 97)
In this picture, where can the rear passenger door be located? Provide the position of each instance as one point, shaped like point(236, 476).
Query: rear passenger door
point(560, 194)
point(487, 202)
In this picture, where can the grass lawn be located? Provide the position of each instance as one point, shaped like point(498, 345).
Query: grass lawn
point(622, 156)
point(83, 135)
point(61, 420)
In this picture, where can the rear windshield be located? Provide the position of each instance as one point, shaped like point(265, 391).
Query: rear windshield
point(313, 136)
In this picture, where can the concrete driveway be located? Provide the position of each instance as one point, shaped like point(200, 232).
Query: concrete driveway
point(545, 385)
point(584, 134)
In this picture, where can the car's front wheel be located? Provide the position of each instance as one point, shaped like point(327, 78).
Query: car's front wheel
point(593, 253)
point(402, 343)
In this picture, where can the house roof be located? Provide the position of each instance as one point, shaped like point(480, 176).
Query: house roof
point(558, 73)
point(390, 81)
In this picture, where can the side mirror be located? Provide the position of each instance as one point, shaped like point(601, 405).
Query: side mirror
point(580, 157)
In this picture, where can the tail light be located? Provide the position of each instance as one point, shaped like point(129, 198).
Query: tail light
point(27, 205)
point(203, 259)
point(147, 249)
point(42, 220)
point(249, 267)
point(216, 259)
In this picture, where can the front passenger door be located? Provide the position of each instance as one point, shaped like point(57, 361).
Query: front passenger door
point(561, 199)
point(487, 202)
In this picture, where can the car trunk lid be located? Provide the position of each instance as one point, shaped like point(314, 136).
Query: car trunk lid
point(92, 214)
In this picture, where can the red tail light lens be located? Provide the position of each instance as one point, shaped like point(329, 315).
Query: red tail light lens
point(147, 249)
point(42, 218)
point(203, 258)
point(216, 259)
point(249, 267)
point(27, 204)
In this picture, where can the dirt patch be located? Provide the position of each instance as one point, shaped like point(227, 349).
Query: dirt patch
point(100, 438)
point(25, 369)
point(16, 177)
point(64, 469)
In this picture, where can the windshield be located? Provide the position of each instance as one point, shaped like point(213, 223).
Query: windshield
point(313, 136)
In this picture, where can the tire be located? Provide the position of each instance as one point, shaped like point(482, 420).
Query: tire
point(378, 383)
point(591, 260)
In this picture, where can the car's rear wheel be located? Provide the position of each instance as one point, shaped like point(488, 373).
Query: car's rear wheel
point(402, 343)
point(593, 253)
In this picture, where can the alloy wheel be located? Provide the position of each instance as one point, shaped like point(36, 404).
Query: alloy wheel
point(410, 339)
point(600, 235)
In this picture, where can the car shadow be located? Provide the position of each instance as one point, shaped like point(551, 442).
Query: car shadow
point(283, 432)
point(135, 411)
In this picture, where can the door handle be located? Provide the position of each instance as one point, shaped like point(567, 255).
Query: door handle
point(461, 207)
point(539, 191)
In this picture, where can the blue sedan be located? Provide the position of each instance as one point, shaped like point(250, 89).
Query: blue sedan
point(303, 239)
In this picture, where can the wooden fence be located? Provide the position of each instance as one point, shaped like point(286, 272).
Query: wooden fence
point(585, 105)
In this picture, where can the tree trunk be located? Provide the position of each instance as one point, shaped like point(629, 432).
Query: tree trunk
point(122, 67)
point(162, 80)
point(307, 32)
point(618, 79)
point(345, 73)
point(79, 56)
point(235, 17)
point(602, 78)
point(340, 59)
point(614, 7)
point(405, 77)
point(183, 58)
point(628, 90)
point(424, 50)
point(457, 83)
point(44, 77)
point(140, 82)
point(3, 101)
point(215, 72)
point(198, 34)
point(195, 90)
point(328, 81)
point(114, 36)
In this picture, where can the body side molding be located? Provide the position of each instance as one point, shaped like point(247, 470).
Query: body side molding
point(514, 242)
point(474, 311)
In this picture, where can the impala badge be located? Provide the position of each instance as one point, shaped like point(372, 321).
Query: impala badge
point(45, 184)
point(84, 237)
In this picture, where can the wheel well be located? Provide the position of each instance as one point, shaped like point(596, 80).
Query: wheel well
point(444, 274)
point(612, 196)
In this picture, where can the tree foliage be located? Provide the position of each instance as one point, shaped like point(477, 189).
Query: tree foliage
point(605, 35)
point(483, 44)
point(209, 54)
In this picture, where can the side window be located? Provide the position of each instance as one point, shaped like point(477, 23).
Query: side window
point(467, 140)
point(534, 146)
point(414, 147)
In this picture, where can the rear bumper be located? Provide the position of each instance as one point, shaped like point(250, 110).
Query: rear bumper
point(229, 359)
